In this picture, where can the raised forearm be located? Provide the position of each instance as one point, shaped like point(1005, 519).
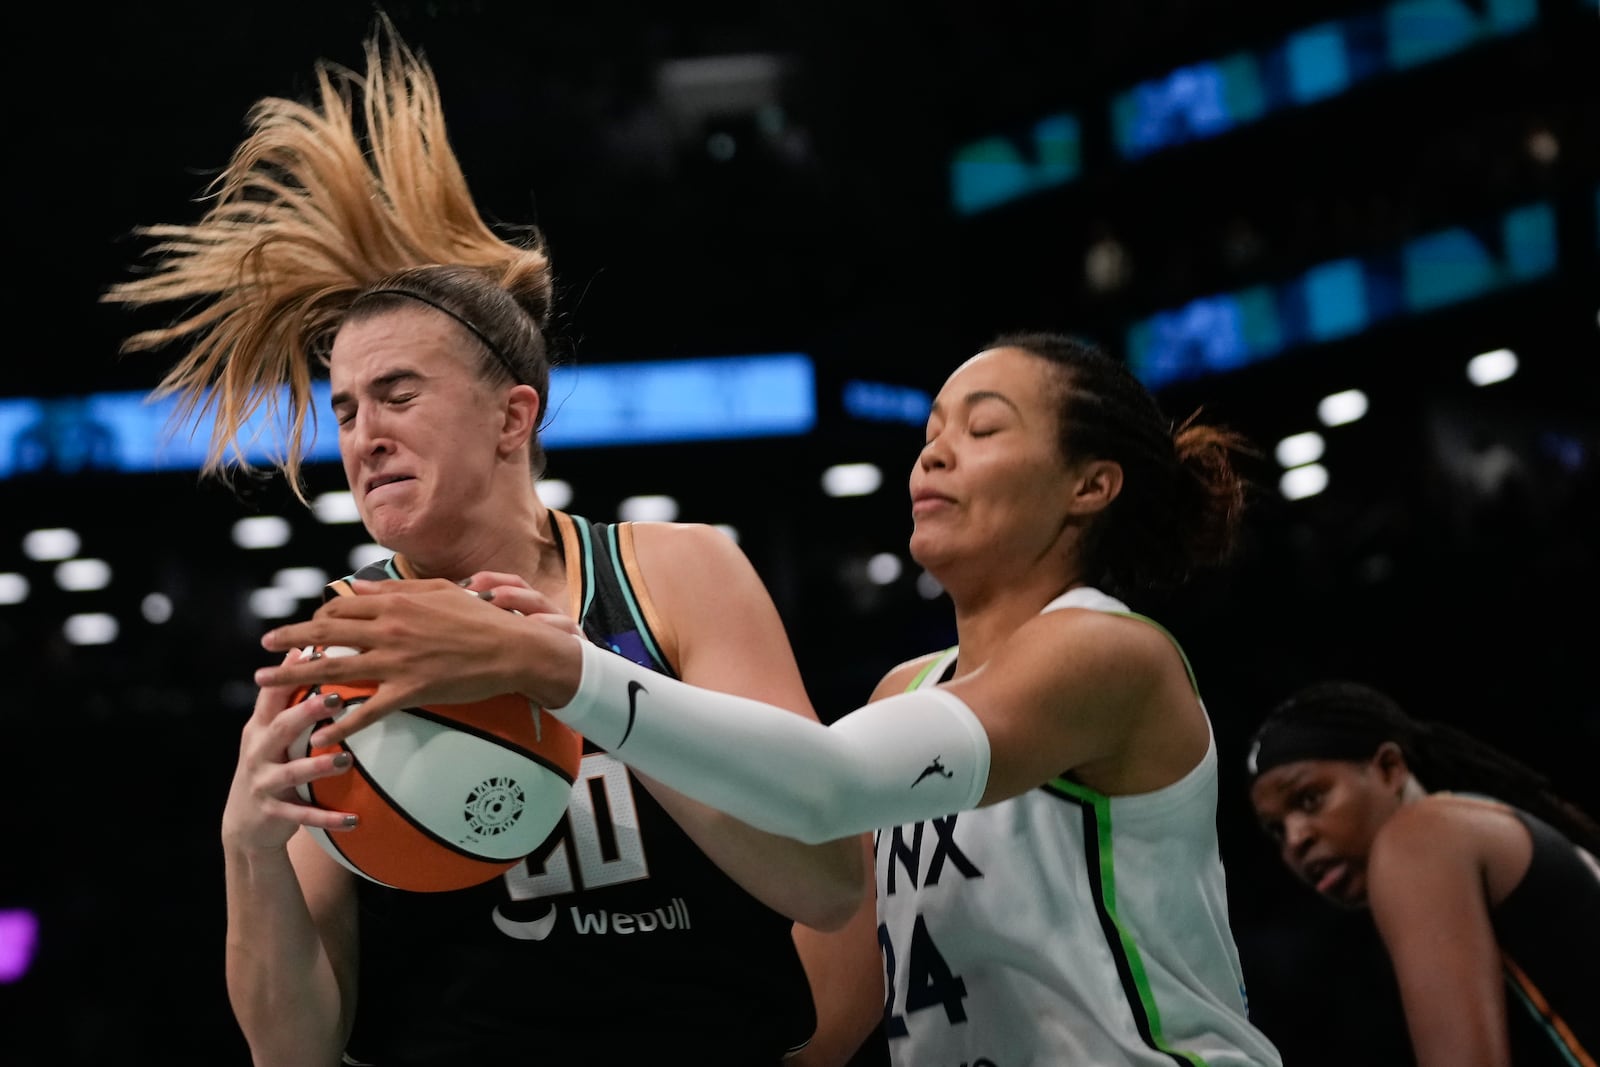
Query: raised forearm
point(280, 981)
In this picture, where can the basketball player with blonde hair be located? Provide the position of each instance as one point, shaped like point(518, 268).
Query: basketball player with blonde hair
point(341, 239)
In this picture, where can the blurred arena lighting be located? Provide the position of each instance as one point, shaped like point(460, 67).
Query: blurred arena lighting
point(90, 628)
point(852, 479)
point(928, 586)
point(1107, 266)
point(1543, 146)
point(272, 602)
point(301, 582)
point(731, 532)
point(83, 575)
point(19, 936)
point(156, 608)
point(1491, 367)
point(13, 588)
point(1298, 449)
point(554, 492)
point(261, 531)
point(884, 402)
point(336, 506)
point(884, 568)
point(1298, 483)
point(655, 507)
point(49, 544)
point(1339, 408)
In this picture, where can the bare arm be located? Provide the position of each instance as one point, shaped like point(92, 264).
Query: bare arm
point(845, 967)
point(1426, 889)
point(290, 945)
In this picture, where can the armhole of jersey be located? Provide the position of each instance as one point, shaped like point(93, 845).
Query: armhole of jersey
point(579, 561)
point(1066, 784)
point(636, 593)
point(936, 669)
point(1188, 668)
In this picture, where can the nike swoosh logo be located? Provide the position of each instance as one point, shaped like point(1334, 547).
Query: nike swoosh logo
point(529, 930)
point(634, 689)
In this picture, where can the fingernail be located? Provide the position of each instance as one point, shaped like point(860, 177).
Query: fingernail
point(333, 701)
point(487, 594)
point(464, 583)
point(351, 822)
point(342, 760)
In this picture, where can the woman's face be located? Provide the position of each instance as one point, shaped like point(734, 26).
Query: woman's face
point(990, 481)
point(1323, 816)
point(419, 432)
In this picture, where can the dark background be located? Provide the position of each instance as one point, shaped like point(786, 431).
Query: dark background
point(1466, 597)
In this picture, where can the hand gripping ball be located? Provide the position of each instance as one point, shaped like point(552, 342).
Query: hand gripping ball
point(448, 795)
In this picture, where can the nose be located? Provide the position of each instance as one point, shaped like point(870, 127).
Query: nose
point(1299, 833)
point(935, 455)
point(367, 432)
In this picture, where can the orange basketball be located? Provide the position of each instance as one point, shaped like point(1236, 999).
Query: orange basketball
point(448, 795)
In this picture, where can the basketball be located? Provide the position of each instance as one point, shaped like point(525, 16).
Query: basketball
point(449, 796)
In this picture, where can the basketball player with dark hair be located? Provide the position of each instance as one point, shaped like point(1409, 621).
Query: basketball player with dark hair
point(1482, 881)
point(1050, 887)
point(364, 255)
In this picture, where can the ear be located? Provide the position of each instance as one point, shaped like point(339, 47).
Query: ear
point(521, 418)
point(1098, 483)
point(1389, 764)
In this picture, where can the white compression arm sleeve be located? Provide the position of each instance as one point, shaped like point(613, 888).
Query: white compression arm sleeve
point(917, 755)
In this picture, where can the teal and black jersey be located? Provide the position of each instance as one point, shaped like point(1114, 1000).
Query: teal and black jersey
point(1548, 929)
point(616, 942)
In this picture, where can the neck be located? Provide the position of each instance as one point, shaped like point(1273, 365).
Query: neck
point(520, 541)
point(984, 622)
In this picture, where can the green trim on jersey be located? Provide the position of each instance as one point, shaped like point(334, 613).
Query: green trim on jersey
point(1100, 805)
point(939, 659)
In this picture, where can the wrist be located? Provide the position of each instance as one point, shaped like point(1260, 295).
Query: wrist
point(557, 685)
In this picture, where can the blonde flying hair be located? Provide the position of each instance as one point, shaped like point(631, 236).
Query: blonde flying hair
point(310, 213)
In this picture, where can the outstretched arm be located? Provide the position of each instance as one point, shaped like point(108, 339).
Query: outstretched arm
point(1069, 689)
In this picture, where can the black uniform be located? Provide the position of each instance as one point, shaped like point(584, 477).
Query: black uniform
point(616, 942)
point(1548, 929)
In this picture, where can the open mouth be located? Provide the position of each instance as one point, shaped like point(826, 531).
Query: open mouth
point(1328, 876)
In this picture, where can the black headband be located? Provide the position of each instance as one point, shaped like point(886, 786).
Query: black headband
point(1287, 742)
point(479, 334)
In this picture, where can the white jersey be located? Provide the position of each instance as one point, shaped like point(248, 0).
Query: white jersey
point(1064, 928)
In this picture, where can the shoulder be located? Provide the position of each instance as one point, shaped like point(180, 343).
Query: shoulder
point(696, 568)
point(901, 675)
point(685, 553)
point(1442, 828)
point(1444, 817)
point(1120, 646)
point(676, 543)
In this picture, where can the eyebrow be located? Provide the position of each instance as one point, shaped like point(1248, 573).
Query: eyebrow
point(972, 399)
point(382, 383)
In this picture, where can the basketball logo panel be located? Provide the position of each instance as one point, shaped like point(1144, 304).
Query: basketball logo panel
point(448, 796)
